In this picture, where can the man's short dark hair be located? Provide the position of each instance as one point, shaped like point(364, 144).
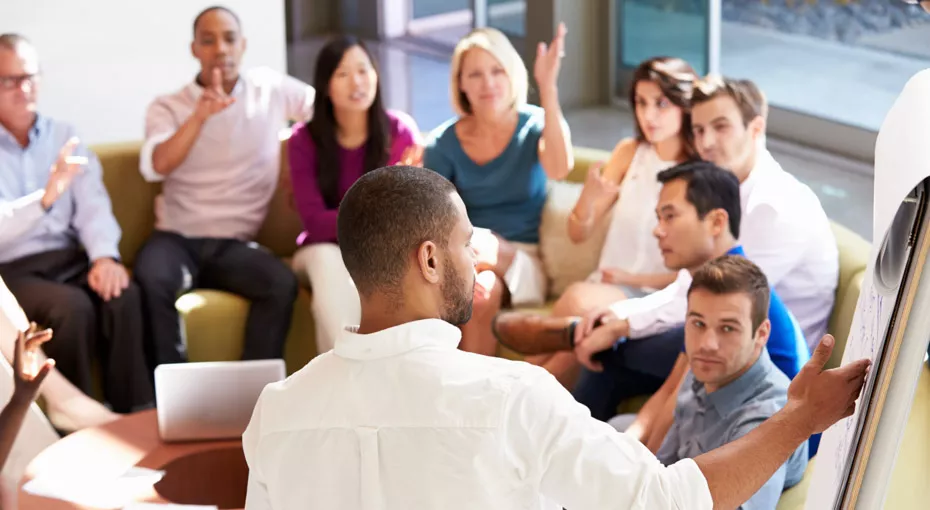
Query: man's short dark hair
point(216, 8)
point(734, 274)
point(385, 216)
point(709, 187)
point(10, 41)
point(749, 100)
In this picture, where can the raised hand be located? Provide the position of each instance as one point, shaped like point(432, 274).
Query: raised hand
point(27, 374)
point(549, 60)
point(62, 172)
point(596, 186)
point(825, 397)
point(213, 99)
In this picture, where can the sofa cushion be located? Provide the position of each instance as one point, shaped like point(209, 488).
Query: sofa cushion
point(566, 262)
point(214, 321)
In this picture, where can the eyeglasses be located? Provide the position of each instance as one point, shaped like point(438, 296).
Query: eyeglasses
point(15, 82)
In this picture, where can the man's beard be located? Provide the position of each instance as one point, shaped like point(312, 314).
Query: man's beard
point(457, 298)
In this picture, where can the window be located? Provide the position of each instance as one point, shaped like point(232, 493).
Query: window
point(840, 60)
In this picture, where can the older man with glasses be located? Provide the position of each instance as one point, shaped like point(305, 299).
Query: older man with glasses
point(59, 241)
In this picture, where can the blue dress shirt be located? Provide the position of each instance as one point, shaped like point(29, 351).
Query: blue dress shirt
point(705, 421)
point(82, 214)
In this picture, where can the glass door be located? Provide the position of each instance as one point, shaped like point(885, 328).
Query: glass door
point(687, 29)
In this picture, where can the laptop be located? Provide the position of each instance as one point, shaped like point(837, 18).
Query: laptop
point(209, 401)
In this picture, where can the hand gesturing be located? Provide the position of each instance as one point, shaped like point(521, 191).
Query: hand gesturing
point(549, 60)
point(213, 99)
point(27, 374)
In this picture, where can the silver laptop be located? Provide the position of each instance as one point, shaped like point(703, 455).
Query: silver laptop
point(205, 401)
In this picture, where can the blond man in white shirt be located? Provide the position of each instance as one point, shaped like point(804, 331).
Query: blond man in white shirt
point(415, 423)
point(784, 228)
point(215, 147)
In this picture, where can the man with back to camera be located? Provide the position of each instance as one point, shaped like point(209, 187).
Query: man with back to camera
point(214, 144)
point(784, 227)
point(59, 251)
point(416, 423)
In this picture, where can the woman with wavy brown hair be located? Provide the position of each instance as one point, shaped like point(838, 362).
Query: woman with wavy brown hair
point(631, 263)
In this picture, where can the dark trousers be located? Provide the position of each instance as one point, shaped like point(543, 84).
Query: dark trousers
point(170, 265)
point(633, 368)
point(52, 289)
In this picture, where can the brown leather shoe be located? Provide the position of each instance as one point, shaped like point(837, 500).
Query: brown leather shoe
point(530, 334)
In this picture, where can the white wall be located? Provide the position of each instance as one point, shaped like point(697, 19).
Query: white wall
point(103, 61)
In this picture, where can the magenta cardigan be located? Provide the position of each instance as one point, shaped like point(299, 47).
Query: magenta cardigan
point(318, 220)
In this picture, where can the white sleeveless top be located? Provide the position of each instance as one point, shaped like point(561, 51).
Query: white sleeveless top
point(630, 244)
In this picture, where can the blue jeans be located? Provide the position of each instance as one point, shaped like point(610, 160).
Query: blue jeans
point(633, 368)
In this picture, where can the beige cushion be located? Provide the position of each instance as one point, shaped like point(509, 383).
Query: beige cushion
point(566, 262)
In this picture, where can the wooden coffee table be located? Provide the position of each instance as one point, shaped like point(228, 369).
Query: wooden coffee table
point(196, 473)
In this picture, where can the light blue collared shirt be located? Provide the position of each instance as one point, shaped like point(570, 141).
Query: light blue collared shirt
point(705, 421)
point(82, 214)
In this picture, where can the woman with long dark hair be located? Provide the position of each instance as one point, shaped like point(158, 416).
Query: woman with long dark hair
point(351, 133)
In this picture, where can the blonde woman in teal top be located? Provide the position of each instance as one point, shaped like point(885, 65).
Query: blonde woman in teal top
point(499, 152)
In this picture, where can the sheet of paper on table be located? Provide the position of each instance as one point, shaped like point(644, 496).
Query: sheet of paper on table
point(96, 492)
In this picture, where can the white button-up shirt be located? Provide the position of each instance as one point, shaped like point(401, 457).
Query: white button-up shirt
point(657, 312)
point(403, 420)
point(785, 231)
point(223, 188)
